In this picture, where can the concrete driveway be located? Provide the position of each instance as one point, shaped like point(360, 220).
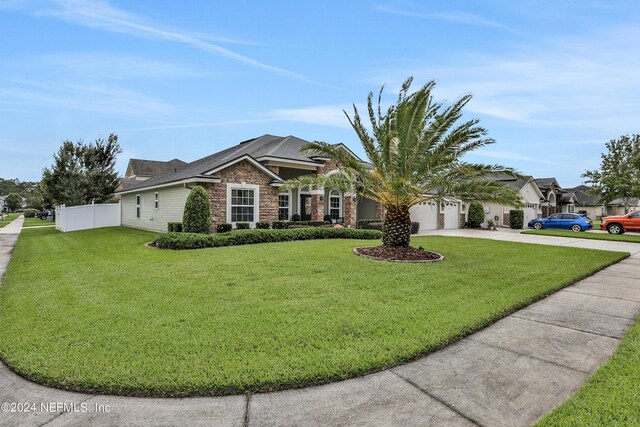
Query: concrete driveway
point(509, 374)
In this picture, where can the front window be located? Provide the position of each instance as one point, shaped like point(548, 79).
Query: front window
point(572, 208)
point(283, 207)
point(138, 206)
point(156, 203)
point(242, 205)
point(334, 206)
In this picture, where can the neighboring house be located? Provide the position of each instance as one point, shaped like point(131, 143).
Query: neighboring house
point(141, 170)
point(3, 208)
point(580, 199)
point(552, 193)
point(452, 214)
point(243, 183)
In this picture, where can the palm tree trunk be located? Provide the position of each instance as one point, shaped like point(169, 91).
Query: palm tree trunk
point(397, 228)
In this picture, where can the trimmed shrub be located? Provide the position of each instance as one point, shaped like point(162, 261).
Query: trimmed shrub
point(223, 227)
point(295, 217)
point(475, 214)
point(197, 212)
point(243, 226)
point(263, 225)
point(327, 218)
point(30, 213)
point(374, 226)
point(175, 227)
point(280, 225)
point(247, 237)
point(415, 227)
point(516, 219)
point(363, 223)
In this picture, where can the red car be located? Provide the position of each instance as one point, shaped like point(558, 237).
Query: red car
point(618, 224)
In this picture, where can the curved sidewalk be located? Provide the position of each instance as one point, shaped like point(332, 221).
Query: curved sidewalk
point(509, 374)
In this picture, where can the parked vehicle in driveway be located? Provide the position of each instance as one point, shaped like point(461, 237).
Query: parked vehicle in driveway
point(43, 215)
point(618, 224)
point(563, 221)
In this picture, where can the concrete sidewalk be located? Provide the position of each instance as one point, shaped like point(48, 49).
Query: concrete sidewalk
point(516, 236)
point(509, 374)
point(8, 238)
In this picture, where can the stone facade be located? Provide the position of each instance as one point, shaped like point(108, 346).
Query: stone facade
point(379, 211)
point(243, 172)
point(349, 211)
point(463, 220)
point(440, 221)
point(247, 173)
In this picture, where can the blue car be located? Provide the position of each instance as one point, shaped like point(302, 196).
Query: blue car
point(563, 221)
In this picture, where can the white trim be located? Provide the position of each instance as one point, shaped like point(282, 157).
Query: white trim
point(251, 160)
point(288, 162)
point(171, 184)
point(340, 196)
point(344, 147)
point(256, 201)
point(290, 195)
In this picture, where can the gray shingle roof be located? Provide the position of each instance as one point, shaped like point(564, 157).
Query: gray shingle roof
point(583, 195)
point(287, 148)
point(517, 183)
point(546, 182)
point(141, 167)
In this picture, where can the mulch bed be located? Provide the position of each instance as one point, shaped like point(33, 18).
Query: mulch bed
point(384, 253)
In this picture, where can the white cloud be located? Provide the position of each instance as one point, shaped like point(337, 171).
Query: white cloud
point(93, 98)
point(511, 155)
point(582, 83)
point(100, 14)
point(451, 16)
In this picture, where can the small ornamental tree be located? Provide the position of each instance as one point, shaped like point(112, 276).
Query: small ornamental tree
point(197, 212)
point(475, 216)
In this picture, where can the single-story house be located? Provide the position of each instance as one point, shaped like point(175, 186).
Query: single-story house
point(243, 183)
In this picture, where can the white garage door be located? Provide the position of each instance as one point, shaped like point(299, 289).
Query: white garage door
point(426, 214)
point(530, 212)
point(451, 215)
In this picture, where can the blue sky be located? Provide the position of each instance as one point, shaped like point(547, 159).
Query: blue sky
point(552, 81)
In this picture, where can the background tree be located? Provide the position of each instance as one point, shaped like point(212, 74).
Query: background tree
point(416, 152)
point(619, 173)
point(13, 202)
point(82, 173)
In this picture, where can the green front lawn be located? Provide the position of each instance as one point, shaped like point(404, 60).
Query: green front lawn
point(612, 396)
point(100, 312)
point(36, 222)
point(7, 218)
point(586, 235)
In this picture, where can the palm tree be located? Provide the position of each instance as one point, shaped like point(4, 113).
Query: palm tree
point(416, 152)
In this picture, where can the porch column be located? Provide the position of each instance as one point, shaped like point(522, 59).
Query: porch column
point(349, 211)
point(317, 207)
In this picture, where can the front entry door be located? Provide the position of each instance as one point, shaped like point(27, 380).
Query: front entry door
point(305, 207)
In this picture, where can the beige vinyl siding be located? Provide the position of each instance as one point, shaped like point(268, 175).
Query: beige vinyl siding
point(171, 202)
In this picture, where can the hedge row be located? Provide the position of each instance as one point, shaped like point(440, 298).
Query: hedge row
point(30, 213)
point(247, 237)
point(378, 224)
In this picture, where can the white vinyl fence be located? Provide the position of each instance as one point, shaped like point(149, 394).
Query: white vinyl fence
point(86, 217)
